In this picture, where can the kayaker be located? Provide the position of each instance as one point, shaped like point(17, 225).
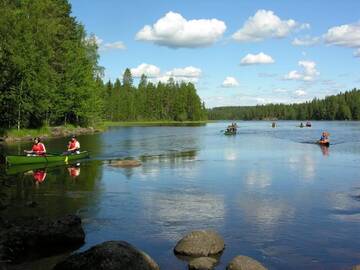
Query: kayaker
point(73, 146)
point(37, 149)
point(273, 124)
point(301, 124)
point(324, 137)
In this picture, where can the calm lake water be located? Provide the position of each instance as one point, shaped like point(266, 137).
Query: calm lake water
point(272, 194)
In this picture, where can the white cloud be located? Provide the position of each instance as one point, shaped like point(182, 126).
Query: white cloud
point(188, 72)
point(300, 93)
point(347, 35)
point(174, 31)
point(357, 53)
point(150, 71)
point(266, 24)
point(230, 82)
point(260, 58)
point(309, 72)
point(117, 45)
point(93, 39)
point(306, 41)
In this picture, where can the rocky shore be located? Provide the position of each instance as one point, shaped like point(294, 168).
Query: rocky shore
point(29, 238)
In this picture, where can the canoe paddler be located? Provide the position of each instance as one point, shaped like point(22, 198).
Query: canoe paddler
point(38, 148)
point(324, 137)
point(73, 146)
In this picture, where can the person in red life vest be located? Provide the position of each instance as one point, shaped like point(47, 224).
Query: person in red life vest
point(73, 146)
point(39, 176)
point(38, 148)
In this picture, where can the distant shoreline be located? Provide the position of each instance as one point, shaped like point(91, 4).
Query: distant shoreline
point(23, 135)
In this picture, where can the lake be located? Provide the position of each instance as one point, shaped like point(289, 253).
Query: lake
point(271, 193)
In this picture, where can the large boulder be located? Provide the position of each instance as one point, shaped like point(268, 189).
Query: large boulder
point(200, 243)
point(126, 163)
point(202, 263)
point(111, 255)
point(34, 237)
point(244, 263)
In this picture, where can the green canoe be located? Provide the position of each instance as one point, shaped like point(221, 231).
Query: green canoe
point(20, 160)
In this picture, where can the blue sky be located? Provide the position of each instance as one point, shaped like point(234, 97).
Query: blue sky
point(236, 52)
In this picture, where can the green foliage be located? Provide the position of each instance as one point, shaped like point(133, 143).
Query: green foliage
point(48, 68)
point(49, 75)
point(169, 101)
point(344, 106)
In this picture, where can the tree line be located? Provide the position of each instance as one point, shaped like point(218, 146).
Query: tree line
point(343, 106)
point(172, 100)
point(49, 75)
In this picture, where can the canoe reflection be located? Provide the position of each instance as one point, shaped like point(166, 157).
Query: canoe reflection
point(74, 170)
point(39, 176)
point(324, 150)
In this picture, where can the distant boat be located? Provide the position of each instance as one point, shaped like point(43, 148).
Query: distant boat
point(308, 124)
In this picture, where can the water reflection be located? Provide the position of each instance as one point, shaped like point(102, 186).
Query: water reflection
point(177, 212)
point(325, 150)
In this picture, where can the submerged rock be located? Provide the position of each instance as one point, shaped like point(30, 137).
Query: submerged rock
point(33, 237)
point(200, 243)
point(111, 255)
point(244, 263)
point(126, 163)
point(202, 263)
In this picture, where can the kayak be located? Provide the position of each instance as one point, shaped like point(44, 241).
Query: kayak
point(325, 143)
point(230, 133)
point(21, 159)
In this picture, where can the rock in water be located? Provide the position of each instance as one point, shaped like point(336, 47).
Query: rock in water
point(33, 237)
point(111, 255)
point(202, 263)
point(126, 163)
point(200, 243)
point(244, 263)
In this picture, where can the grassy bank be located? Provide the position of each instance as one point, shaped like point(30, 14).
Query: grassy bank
point(154, 123)
point(14, 135)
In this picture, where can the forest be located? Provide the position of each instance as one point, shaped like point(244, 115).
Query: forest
point(49, 75)
point(343, 106)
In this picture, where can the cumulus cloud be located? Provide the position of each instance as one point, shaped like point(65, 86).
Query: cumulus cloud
point(308, 73)
point(230, 82)
point(347, 35)
point(186, 74)
point(150, 71)
point(300, 93)
point(254, 59)
point(174, 31)
point(117, 45)
point(306, 41)
point(266, 24)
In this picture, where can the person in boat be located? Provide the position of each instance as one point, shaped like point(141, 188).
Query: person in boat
point(38, 148)
point(324, 137)
point(73, 146)
point(308, 124)
point(273, 124)
point(301, 124)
